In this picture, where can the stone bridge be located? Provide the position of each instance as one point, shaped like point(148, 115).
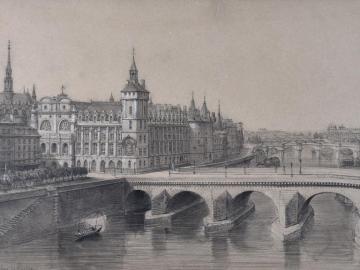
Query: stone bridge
point(228, 199)
point(311, 154)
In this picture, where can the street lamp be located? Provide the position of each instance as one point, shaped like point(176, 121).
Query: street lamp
point(300, 148)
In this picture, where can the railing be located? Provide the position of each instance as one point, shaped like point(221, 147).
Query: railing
point(247, 184)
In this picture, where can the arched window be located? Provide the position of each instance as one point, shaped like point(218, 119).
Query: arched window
point(64, 125)
point(65, 165)
point(93, 166)
point(119, 164)
point(45, 125)
point(111, 165)
point(102, 166)
point(54, 148)
point(43, 148)
point(85, 164)
point(129, 164)
point(78, 163)
point(65, 149)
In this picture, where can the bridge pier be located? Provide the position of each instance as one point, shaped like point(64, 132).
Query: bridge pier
point(294, 214)
point(225, 212)
point(161, 213)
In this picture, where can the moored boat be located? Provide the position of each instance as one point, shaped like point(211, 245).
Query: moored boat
point(93, 230)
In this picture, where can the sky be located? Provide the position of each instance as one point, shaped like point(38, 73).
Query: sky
point(291, 65)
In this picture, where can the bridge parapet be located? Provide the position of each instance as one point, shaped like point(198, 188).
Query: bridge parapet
point(228, 198)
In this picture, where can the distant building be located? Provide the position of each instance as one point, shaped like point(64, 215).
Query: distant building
point(341, 134)
point(19, 146)
point(19, 143)
point(15, 107)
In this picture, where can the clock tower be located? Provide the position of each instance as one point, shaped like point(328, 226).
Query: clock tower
point(134, 102)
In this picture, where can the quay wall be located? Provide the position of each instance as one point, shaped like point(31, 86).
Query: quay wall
point(28, 215)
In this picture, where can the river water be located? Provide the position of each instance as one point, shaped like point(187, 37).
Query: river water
point(127, 244)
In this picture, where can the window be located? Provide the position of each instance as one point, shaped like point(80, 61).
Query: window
point(130, 110)
point(78, 149)
point(43, 148)
point(45, 125)
point(118, 149)
point(94, 149)
point(65, 149)
point(129, 164)
point(130, 124)
point(64, 125)
point(86, 148)
point(111, 149)
point(144, 138)
point(102, 149)
point(53, 148)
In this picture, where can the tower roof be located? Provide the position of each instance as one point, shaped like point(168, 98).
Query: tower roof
point(8, 81)
point(133, 64)
point(192, 103)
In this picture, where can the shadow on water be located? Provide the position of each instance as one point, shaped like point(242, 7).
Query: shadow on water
point(332, 233)
point(292, 257)
point(189, 222)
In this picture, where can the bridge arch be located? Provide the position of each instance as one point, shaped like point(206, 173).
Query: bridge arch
point(347, 197)
point(183, 198)
point(137, 201)
point(242, 198)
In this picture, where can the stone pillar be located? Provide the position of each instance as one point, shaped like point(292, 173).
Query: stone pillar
point(294, 213)
point(225, 211)
point(158, 214)
point(159, 203)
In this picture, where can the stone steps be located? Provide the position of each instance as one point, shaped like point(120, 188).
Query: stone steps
point(14, 221)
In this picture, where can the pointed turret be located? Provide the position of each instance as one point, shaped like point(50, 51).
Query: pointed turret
point(219, 118)
point(192, 103)
point(8, 81)
point(111, 99)
point(133, 72)
point(33, 94)
point(204, 110)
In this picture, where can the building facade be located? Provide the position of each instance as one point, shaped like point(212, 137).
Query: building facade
point(129, 135)
point(19, 142)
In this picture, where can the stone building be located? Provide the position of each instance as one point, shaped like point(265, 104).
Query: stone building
point(19, 143)
point(19, 146)
point(15, 107)
point(132, 134)
point(56, 125)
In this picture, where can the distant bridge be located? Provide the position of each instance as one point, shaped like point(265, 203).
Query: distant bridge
point(310, 153)
point(228, 198)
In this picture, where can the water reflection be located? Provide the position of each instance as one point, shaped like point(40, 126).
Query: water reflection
point(127, 244)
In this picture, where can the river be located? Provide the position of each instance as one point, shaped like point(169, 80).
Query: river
point(127, 244)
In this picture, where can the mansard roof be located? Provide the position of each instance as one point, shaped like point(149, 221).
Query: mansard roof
point(98, 106)
point(132, 86)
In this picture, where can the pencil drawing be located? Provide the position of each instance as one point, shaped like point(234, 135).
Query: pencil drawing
point(179, 135)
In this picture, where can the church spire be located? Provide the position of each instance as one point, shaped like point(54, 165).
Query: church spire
point(111, 99)
point(204, 109)
point(33, 95)
point(219, 118)
point(133, 69)
point(192, 103)
point(8, 81)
